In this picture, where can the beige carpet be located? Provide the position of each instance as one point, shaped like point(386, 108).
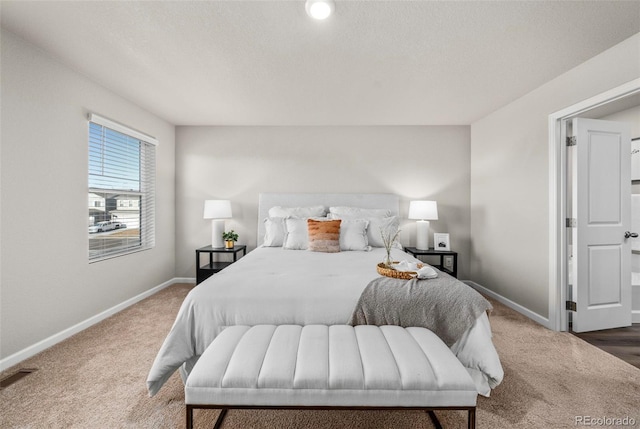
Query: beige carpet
point(96, 379)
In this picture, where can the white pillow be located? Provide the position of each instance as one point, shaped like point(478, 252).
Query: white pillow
point(353, 235)
point(312, 211)
point(296, 236)
point(376, 224)
point(359, 213)
point(273, 232)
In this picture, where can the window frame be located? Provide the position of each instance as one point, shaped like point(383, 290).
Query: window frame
point(146, 178)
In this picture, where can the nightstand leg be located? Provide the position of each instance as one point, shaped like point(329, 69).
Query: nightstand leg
point(455, 266)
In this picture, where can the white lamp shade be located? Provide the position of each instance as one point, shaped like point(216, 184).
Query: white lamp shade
point(217, 209)
point(423, 210)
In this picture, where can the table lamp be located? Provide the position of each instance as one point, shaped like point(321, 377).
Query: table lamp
point(423, 211)
point(217, 211)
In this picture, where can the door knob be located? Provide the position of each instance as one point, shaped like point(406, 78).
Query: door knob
point(629, 234)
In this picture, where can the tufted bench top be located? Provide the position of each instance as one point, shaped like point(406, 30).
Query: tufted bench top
point(329, 366)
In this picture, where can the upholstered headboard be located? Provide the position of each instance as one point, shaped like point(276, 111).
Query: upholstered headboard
point(366, 201)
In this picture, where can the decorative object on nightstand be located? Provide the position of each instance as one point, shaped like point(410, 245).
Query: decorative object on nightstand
point(441, 241)
point(230, 238)
point(448, 259)
point(217, 211)
point(423, 211)
point(203, 272)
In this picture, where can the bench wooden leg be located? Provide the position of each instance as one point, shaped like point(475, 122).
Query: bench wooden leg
point(189, 412)
point(218, 423)
point(438, 425)
point(223, 412)
point(434, 419)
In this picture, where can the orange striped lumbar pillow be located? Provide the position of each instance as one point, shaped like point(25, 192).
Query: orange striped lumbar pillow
point(324, 235)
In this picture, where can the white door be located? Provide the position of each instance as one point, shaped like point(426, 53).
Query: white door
point(601, 207)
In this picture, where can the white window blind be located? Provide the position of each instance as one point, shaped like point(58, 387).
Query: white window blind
point(122, 170)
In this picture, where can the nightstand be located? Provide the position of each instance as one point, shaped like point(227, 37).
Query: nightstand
point(442, 254)
point(203, 272)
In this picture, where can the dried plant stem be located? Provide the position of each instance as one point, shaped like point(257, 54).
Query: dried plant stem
point(388, 239)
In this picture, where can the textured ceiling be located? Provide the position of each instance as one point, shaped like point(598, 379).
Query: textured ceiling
point(372, 63)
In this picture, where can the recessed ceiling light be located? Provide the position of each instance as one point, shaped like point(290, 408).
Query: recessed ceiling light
point(319, 9)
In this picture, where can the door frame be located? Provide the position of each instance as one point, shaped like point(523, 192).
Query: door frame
point(558, 275)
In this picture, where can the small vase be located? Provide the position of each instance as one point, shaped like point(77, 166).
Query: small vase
point(229, 244)
point(388, 261)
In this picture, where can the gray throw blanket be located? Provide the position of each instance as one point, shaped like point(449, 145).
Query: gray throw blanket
point(443, 305)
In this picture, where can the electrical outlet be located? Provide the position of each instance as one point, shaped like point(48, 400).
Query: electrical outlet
point(448, 262)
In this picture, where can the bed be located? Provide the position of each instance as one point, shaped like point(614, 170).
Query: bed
point(274, 285)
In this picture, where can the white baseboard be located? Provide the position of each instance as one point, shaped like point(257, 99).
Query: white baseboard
point(191, 280)
point(36, 348)
point(513, 305)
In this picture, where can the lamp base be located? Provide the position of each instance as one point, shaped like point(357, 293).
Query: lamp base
point(217, 229)
point(422, 235)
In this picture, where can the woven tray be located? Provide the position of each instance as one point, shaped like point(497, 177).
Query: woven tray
point(383, 270)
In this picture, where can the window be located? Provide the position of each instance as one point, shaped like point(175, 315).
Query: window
point(122, 169)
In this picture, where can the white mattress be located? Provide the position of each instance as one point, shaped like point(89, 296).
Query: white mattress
point(277, 286)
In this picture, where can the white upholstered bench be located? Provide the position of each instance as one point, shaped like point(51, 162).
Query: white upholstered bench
point(329, 367)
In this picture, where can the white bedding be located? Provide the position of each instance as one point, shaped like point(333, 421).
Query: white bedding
point(278, 286)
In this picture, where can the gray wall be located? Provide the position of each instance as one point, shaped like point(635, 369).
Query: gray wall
point(510, 178)
point(47, 283)
point(631, 116)
point(238, 163)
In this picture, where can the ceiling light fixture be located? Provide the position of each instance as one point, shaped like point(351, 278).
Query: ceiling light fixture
point(319, 9)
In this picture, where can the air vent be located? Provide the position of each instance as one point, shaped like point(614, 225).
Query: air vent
point(23, 372)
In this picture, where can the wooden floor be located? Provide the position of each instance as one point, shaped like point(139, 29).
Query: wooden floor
point(623, 343)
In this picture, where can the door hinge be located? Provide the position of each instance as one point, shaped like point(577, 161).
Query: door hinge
point(571, 222)
point(571, 305)
point(572, 141)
